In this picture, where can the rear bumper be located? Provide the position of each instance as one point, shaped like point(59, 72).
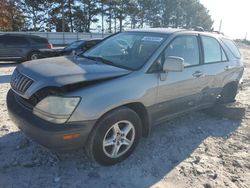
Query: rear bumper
point(45, 133)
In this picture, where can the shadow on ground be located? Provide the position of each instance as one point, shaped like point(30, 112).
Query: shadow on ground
point(154, 158)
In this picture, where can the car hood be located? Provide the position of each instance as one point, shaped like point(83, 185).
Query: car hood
point(61, 71)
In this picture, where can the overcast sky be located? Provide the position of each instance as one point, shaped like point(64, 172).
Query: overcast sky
point(235, 16)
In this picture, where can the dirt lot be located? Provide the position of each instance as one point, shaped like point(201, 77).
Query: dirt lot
point(196, 150)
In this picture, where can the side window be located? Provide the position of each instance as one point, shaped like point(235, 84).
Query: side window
point(14, 41)
point(185, 47)
point(1, 41)
point(4, 40)
point(213, 51)
point(9, 40)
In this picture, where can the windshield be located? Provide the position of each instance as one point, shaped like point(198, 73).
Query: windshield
point(74, 45)
point(129, 50)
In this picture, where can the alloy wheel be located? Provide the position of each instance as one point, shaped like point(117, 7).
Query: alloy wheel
point(118, 139)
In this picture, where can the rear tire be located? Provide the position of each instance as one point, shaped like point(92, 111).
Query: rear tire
point(115, 136)
point(228, 93)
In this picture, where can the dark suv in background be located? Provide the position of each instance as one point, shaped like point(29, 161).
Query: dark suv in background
point(19, 47)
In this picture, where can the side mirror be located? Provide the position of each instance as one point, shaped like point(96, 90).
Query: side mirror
point(173, 64)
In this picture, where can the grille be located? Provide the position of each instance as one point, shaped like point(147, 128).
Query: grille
point(20, 83)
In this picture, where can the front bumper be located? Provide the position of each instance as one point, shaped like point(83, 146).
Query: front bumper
point(45, 133)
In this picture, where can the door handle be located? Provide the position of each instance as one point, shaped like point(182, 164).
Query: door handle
point(197, 74)
point(227, 68)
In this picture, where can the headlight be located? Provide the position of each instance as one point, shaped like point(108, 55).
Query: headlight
point(56, 109)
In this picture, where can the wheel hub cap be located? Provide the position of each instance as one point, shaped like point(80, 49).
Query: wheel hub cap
point(118, 139)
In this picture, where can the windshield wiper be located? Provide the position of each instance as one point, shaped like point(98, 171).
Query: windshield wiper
point(87, 57)
point(103, 60)
point(100, 59)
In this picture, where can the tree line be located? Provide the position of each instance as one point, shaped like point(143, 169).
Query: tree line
point(101, 15)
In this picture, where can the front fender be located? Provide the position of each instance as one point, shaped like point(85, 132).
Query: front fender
point(101, 98)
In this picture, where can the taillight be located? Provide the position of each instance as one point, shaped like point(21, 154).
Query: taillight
point(50, 46)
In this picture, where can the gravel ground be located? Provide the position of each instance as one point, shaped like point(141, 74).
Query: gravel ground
point(196, 150)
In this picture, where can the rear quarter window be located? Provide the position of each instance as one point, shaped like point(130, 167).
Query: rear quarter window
point(232, 47)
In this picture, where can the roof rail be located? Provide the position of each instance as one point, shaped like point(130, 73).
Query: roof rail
point(217, 32)
point(199, 28)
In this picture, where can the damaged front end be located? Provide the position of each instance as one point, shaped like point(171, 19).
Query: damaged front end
point(50, 104)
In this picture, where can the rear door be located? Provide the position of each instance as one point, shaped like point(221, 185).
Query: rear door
point(215, 64)
point(180, 91)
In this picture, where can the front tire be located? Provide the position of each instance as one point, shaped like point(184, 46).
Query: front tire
point(115, 136)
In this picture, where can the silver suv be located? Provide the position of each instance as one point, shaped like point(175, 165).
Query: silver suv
point(108, 97)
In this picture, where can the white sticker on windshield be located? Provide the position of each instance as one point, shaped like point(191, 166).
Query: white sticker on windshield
point(152, 39)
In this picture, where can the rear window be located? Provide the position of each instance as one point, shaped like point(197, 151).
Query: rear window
point(232, 47)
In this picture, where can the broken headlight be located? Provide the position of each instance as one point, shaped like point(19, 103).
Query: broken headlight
point(56, 109)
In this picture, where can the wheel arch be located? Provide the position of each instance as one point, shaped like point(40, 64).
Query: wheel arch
point(232, 83)
point(228, 92)
point(140, 110)
point(32, 51)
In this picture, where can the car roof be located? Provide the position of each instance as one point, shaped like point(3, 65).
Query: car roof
point(21, 35)
point(156, 30)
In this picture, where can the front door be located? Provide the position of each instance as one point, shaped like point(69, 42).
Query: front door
point(180, 91)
